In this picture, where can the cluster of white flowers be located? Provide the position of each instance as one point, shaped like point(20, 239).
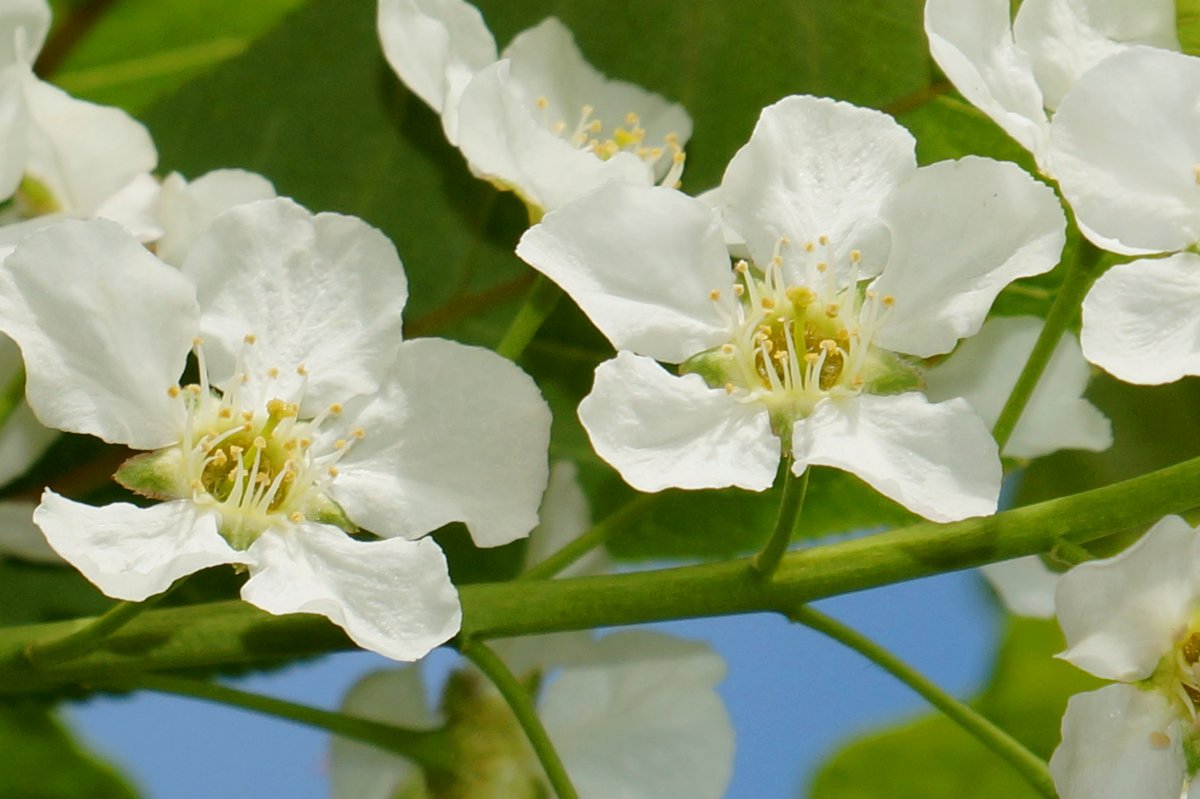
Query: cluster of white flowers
point(825, 306)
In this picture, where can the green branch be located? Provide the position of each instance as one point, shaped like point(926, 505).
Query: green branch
point(539, 302)
point(11, 395)
point(519, 701)
point(1031, 767)
point(90, 633)
point(589, 540)
point(428, 748)
point(232, 633)
point(1080, 274)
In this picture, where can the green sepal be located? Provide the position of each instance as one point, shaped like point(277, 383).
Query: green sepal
point(157, 474)
point(714, 366)
point(35, 199)
point(326, 511)
point(893, 374)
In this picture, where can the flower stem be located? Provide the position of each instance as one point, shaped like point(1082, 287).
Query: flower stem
point(522, 707)
point(539, 302)
point(1031, 767)
point(428, 748)
point(1080, 274)
point(589, 540)
point(12, 394)
point(90, 633)
point(794, 490)
point(1069, 553)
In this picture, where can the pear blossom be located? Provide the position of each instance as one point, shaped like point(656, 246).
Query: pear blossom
point(1017, 71)
point(860, 264)
point(535, 119)
point(1132, 618)
point(308, 417)
point(633, 714)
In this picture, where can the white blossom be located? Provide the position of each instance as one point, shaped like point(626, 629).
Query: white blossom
point(308, 416)
point(1133, 618)
point(859, 262)
point(535, 119)
point(1017, 71)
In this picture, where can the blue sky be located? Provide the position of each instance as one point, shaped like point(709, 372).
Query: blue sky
point(793, 695)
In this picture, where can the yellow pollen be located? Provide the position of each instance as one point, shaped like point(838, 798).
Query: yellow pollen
point(714, 295)
point(829, 345)
point(247, 416)
point(289, 444)
point(196, 485)
point(335, 408)
point(809, 247)
point(235, 450)
point(243, 378)
point(777, 260)
point(855, 256)
point(247, 427)
point(672, 139)
point(333, 471)
point(249, 338)
point(831, 310)
point(727, 349)
point(225, 413)
point(296, 517)
point(823, 239)
point(767, 344)
point(780, 356)
point(173, 392)
point(822, 266)
point(858, 381)
point(631, 119)
point(679, 157)
point(197, 341)
point(811, 357)
point(193, 389)
point(739, 289)
point(339, 444)
point(729, 388)
point(587, 111)
point(302, 370)
point(272, 373)
point(843, 334)
point(1159, 740)
point(260, 442)
point(888, 300)
point(741, 267)
point(768, 302)
point(305, 443)
point(220, 459)
point(542, 103)
point(359, 433)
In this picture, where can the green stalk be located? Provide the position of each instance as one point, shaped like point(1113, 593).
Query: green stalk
point(794, 490)
point(1080, 274)
point(588, 541)
point(11, 396)
point(428, 748)
point(539, 302)
point(519, 701)
point(233, 633)
point(1069, 553)
point(89, 634)
point(1030, 766)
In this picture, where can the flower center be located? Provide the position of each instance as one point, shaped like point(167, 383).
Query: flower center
point(255, 462)
point(796, 342)
point(591, 135)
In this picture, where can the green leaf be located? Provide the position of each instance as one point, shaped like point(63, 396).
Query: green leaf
point(140, 49)
point(42, 760)
point(933, 758)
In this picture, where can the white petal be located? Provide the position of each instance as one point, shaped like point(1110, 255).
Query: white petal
point(392, 696)
point(23, 439)
point(133, 553)
point(19, 536)
point(815, 167)
point(563, 517)
point(1140, 322)
point(1120, 615)
point(642, 263)
point(1112, 747)
point(324, 291)
point(14, 122)
point(504, 142)
point(1065, 38)
point(393, 597)
point(961, 232)
point(434, 45)
point(134, 207)
point(546, 63)
point(1025, 585)
point(23, 28)
point(456, 433)
point(984, 369)
point(936, 460)
point(1124, 150)
point(662, 431)
point(185, 210)
point(642, 720)
point(84, 153)
point(973, 44)
point(104, 328)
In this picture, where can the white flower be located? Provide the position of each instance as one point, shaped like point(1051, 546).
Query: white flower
point(536, 119)
point(308, 414)
point(635, 715)
point(985, 368)
point(859, 259)
point(59, 153)
point(1018, 71)
point(1133, 618)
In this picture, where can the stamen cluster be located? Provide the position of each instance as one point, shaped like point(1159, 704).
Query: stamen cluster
point(590, 136)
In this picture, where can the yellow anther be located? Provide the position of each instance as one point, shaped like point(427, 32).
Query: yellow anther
point(714, 295)
point(260, 442)
point(808, 246)
point(741, 267)
point(800, 295)
point(196, 485)
point(335, 408)
point(871, 294)
point(225, 413)
point(542, 103)
point(766, 344)
point(235, 450)
point(727, 349)
point(278, 407)
point(247, 427)
point(290, 444)
point(858, 382)
point(843, 334)
point(243, 378)
point(305, 443)
point(197, 342)
point(1196, 173)
point(302, 370)
point(173, 392)
point(296, 517)
point(586, 111)
point(888, 300)
point(831, 310)
point(339, 444)
point(679, 157)
point(811, 357)
point(272, 373)
point(855, 256)
point(829, 345)
point(672, 139)
point(631, 119)
point(823, 239)
point(333, 471)
point(768, 302)
point(359, 433)
point(729, 388)
point(780, 356)
point(777, 260)
point(739, 289)
point(220, 459)
point(249, 338)
point(822, 266)
point(247, 416)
